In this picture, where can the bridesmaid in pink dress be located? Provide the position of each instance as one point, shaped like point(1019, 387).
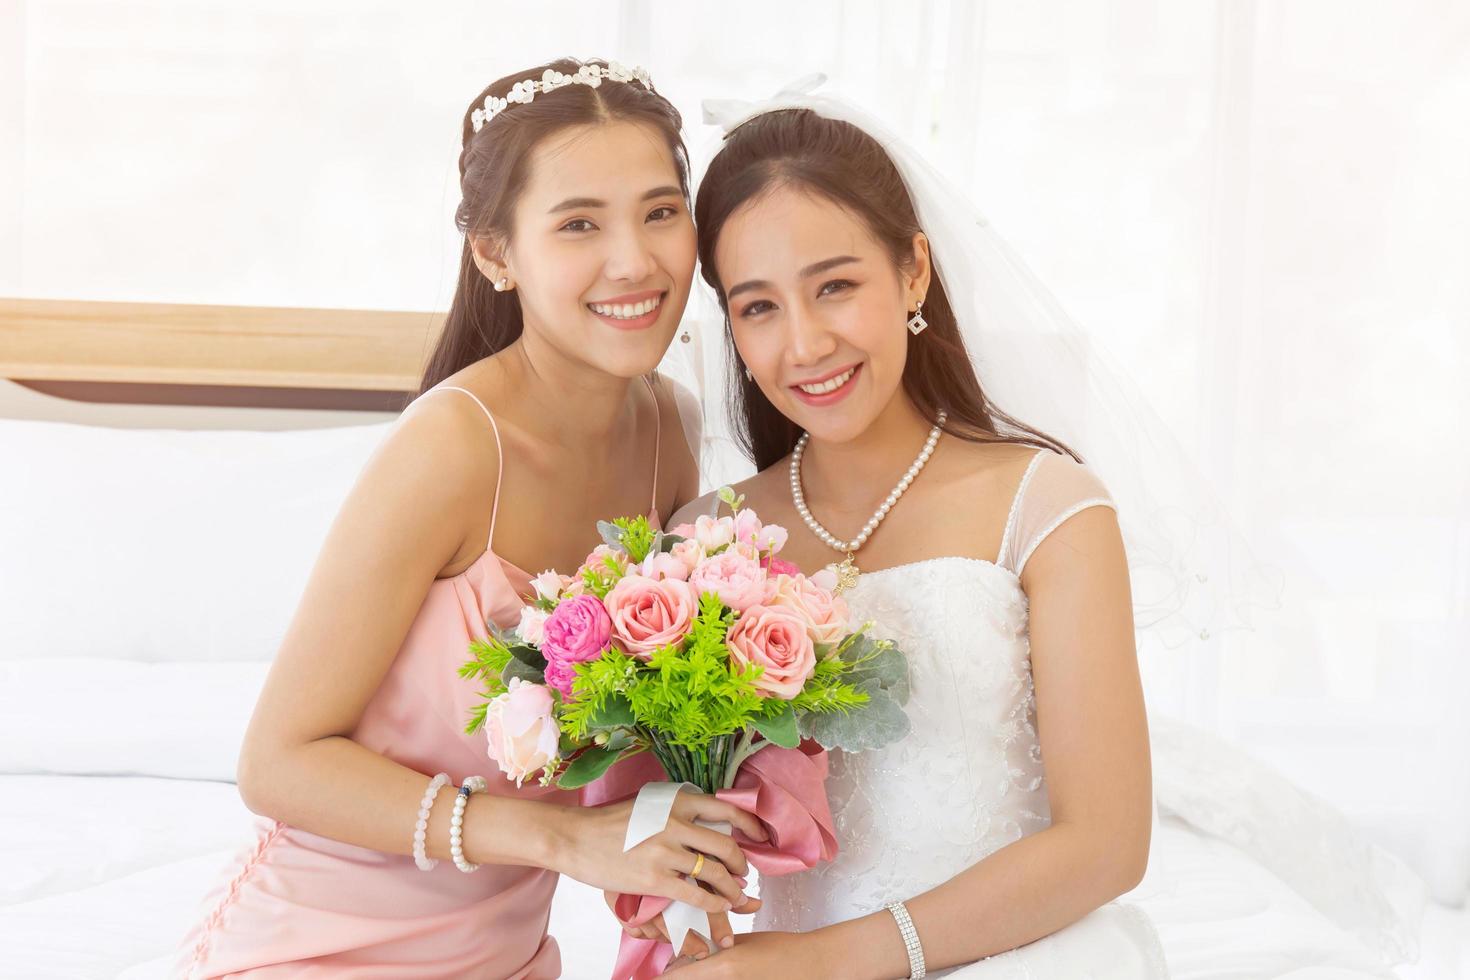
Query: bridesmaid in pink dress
point(577, 264)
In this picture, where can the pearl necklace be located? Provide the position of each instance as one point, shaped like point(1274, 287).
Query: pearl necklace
point(847, 572)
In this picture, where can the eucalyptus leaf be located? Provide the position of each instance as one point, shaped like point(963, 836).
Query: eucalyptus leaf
point(587, 767)
point(529, 656)
point(878, 723)
point(879, 664)
point(780, 729)
point(665, 542)
point(518, 668)
point(612, 535)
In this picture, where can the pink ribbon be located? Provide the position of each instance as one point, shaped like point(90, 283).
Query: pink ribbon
point(784, 788)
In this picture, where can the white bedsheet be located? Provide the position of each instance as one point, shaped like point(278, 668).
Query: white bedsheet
point(110, 879)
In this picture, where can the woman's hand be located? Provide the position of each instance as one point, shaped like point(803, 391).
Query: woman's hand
point(694, 947)
point(588, 846)
point(761, 954)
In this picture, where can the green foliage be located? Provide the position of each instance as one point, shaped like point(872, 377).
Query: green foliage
point(599, 579)
point(637, 537)
point(491, 656)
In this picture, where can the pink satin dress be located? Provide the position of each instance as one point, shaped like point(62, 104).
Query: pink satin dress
point(295, 904)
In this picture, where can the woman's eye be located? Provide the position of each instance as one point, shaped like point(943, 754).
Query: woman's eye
point(578, 224)
point(759, 306)
point(663, 213)
point(836, 285)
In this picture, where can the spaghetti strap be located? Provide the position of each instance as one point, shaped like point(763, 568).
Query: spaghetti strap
point(658, 428)
point(499, 454)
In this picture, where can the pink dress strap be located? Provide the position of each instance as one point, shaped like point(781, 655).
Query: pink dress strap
point(499, 455)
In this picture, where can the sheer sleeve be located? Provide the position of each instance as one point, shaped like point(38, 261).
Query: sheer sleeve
point(1054, 489)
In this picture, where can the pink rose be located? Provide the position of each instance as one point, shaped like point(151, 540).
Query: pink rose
point(577, 630)
point(663, 565)
point(689, 554)
point(713, 532)
point(532, 627)
point(560, 675)
point(825, 614)
point(521, 729)
point(736, 579)
point(549, 585)
point(747, 526)
point(778, 566)
point(682, 530)
point(648, 614)
point(824, 578)
point(596, 561)
point(772, 538)
point(776, 639)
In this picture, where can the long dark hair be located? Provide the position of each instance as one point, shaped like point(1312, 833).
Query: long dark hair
point(492, 173)
point(797, 147)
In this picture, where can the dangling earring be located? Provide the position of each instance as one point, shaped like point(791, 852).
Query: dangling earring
point(917, 323)
point(748, 375)
point(684, 336)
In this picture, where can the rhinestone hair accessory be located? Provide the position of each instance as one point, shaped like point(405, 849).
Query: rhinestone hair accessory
point(524, 91)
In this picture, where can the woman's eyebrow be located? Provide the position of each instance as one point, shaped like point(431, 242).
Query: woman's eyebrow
point(815, 269)
point(575, 203)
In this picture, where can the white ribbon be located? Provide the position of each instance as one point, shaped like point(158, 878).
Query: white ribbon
point(649, 817)
point(730, 113)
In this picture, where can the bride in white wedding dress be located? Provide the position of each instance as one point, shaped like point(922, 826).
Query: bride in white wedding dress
point(992, 839)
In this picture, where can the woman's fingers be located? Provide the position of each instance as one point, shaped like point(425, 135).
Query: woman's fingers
point(701, 806)
point(750, 906)
point(713, 875)
point(713, 843)
point(683, 890)
point(720, 932)
point(694, 946)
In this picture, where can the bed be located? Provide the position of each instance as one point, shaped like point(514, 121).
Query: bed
point(129, 666)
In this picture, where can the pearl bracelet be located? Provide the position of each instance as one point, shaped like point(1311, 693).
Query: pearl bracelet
point(910, 940)
point(475, 784)
point(421, 829)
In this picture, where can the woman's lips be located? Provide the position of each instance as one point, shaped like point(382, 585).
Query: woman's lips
point(616, 314)
point(831, 397)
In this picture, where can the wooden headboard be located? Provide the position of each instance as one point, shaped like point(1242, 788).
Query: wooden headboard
point(215, 354)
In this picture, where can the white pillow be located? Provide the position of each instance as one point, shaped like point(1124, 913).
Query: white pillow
point(163, 545)
point(83, 717)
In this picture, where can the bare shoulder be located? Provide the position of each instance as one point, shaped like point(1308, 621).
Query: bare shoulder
point(444, 444)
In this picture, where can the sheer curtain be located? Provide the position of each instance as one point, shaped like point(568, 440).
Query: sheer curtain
point(1259, 207)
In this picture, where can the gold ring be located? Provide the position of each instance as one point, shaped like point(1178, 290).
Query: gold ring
point(698, 864)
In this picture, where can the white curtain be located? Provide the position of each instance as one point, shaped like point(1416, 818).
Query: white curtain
point(1260, 207)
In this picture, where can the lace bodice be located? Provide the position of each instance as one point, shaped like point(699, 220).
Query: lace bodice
point(966, 781)
point(969, 778)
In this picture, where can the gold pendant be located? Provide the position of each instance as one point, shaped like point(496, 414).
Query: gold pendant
point(847, 575)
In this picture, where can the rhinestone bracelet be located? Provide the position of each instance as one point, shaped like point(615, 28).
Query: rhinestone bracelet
point(910, 940)
point(421, 829)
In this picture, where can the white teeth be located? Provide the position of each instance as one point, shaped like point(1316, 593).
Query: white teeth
point(831, 384)
point(626, 311)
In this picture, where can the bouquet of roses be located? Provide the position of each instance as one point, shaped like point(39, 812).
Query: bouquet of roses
point(701, 648)
point(699, 645)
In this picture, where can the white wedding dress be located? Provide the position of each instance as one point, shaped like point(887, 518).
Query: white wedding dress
point(968, 779)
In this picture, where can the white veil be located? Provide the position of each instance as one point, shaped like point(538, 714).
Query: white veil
point(1192, 574)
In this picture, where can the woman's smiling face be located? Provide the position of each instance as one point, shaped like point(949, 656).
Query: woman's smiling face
point(817, 309)
point(602, 246)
